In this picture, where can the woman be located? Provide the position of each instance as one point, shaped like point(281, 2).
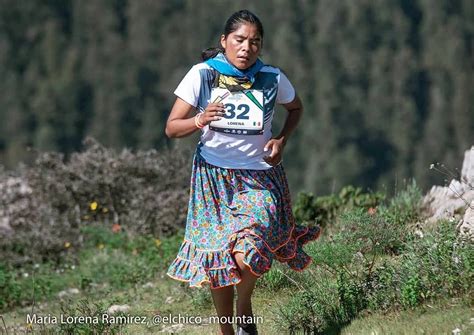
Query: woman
point(239, 215)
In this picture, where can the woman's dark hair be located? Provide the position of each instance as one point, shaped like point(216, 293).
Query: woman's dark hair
point(232, 24)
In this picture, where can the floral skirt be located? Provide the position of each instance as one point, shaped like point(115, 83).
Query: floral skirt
point(238, 210)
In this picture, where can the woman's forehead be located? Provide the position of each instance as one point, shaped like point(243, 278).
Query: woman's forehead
point(247, 30)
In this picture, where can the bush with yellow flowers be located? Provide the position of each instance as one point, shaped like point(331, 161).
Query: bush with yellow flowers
point(45, 205)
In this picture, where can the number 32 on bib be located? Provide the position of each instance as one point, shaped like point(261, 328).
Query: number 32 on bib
point(244, 112)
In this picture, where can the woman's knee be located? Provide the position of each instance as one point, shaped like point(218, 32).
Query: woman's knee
point(244, 269)
point(239, 259)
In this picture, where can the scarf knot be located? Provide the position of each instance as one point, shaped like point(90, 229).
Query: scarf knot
point(231, 77)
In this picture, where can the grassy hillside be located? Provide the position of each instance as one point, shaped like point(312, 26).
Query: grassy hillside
point(370, 275)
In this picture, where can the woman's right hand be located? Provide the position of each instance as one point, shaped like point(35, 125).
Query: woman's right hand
point(213, 112)
point(182, 120)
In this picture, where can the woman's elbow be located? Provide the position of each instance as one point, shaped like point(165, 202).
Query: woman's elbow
point(169, 131)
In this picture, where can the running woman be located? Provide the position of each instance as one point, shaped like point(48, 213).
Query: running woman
point(239, 214)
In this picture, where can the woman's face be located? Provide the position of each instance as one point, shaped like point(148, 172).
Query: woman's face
point(243, 46)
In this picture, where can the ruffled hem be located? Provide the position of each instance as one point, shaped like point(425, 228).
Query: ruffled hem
point(219, 269)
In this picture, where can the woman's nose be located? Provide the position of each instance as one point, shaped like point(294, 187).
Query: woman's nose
point(246, 45)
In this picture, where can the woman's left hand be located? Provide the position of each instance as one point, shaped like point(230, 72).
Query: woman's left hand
point(276, 146)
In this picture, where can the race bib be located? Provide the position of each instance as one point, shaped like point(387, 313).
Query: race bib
point(244, 111)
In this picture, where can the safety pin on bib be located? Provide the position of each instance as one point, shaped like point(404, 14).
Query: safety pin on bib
point(221, 97)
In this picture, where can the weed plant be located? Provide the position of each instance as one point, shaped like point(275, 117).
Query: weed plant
point(378, 260)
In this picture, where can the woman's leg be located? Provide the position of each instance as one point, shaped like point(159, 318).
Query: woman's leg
point(245, 287)
point(224, 302)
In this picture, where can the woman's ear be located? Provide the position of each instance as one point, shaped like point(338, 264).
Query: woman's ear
point(223, 41)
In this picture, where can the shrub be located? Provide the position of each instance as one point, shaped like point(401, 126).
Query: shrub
point(10, 290)
point(382, 287)
point(46, 205)
point(351, 278)
point(200, 298)
point(404, 207)
point(440, 263)
point(86, 308)
point(362, 235)
point(276, 278)
point(117, 261)
point(314, 310)
point(123, 260)
point(326, 208)
point(23, 286)
point(361, 273)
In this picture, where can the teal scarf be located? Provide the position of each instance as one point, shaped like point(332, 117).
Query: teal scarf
point(242, 79)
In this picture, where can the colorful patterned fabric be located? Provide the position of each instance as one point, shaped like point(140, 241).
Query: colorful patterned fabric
point(232, 84)
point(238, 210)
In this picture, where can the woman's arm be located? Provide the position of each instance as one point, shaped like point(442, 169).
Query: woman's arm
point(181, 123)
point(277, 144)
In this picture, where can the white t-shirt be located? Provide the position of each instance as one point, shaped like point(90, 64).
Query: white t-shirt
point(235, 151)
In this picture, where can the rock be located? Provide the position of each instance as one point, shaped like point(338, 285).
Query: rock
point(173, 329)
point(16, 194)
point(73, 291)
point(62, 294)
point(5, 228)
point(467, 172)
point(68, 292)
point(466, 225)
point(444, 202)
point(118, 308)
point(148, 285)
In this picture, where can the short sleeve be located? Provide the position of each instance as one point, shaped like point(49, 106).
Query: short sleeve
point(286, 91)
point(189, 87)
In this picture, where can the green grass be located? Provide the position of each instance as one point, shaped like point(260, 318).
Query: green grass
point(434, 318)
point(165, 296)
point(415, 288)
